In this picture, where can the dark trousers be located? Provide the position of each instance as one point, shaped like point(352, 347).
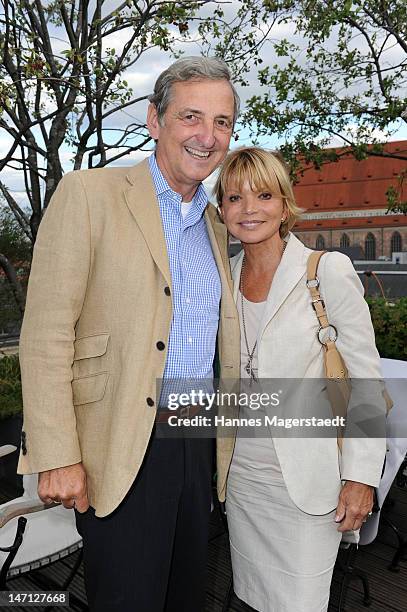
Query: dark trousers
point(150, 554)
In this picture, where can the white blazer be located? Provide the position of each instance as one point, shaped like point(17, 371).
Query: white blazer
point(288, 347)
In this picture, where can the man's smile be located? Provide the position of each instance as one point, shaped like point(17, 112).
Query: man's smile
point(197, 154)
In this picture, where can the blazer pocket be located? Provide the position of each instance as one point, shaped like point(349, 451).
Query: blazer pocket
point(91, 346)
point(88, 389)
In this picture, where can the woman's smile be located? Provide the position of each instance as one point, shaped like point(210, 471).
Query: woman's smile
point(250, 225)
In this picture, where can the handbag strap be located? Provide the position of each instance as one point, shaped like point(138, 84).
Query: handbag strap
point(313, 286)
point(335, 367)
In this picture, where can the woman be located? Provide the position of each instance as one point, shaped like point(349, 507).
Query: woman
point(286, 506)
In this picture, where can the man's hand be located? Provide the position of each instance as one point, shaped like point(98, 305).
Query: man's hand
point(66, 485)
point(355, 503)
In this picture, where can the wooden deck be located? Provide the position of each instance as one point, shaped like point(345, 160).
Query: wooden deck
point(388, 589)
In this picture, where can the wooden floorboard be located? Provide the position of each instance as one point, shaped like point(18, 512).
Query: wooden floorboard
point(388, 589)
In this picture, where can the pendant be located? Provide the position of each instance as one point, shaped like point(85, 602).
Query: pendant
point(248, 367)
point(250, 372)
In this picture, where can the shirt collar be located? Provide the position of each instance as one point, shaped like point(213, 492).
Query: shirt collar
point(200, 199)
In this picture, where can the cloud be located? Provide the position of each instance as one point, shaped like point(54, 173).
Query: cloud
point(142, 75)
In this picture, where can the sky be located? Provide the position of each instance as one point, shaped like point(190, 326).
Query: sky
point(141, 78)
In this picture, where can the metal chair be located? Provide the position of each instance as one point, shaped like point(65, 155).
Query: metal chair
point(396, 374)
point(33, 535)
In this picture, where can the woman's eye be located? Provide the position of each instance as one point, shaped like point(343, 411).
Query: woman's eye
point(266, 195)
point(233, 198)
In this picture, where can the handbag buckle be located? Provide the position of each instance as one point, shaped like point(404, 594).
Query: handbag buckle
point(329, 328)
point(313, 283)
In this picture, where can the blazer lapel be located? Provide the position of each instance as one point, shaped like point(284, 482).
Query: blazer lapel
point(236, 265)
point(291, 269)
point(219, 240)
point(142, 202)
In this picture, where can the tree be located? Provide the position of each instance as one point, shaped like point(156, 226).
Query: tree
point(342, 74)
point(63, 85)
point(53, 96)
point(63, 80)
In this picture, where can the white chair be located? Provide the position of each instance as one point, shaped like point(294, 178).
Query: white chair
point(33, 534)
point(395, 374)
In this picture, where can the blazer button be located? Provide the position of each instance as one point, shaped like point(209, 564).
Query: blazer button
point(167, 291)
point(23, 449)
point(160, 345)
point(150, 401)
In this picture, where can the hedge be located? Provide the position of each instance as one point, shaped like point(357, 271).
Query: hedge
point(390, 325)
point(11, 399)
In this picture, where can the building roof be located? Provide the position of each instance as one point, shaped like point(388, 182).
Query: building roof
point(348, 188)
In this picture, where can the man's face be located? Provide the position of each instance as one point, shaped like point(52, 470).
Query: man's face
point(195, 134)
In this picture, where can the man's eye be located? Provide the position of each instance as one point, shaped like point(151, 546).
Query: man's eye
point(224, 124)
point(190, 118)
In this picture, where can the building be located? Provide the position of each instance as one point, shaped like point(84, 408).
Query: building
point(346, 205)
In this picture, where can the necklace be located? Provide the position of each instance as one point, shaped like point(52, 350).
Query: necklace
point(249, 365)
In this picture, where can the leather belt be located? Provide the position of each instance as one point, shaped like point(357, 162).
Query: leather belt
point(183, 412)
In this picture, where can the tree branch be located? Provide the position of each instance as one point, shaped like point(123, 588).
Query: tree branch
point(15, 284)
point(19, 214)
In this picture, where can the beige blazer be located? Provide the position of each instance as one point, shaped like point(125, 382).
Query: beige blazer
point(288, 348)
point(97, 304)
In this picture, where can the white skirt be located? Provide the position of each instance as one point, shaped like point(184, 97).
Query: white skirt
point(282, 558)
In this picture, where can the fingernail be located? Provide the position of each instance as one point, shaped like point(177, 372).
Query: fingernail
point(337, 519)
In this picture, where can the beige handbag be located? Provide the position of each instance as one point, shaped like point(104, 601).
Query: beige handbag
point(338, 383)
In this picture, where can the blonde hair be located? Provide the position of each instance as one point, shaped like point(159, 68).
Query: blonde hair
point(264, 170)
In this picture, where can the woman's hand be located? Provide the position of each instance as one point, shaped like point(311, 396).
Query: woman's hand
point(355, 503)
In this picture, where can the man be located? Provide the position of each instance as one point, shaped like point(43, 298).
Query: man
point(127, 276)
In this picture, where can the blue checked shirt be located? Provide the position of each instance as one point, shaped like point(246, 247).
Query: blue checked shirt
point(196, 286)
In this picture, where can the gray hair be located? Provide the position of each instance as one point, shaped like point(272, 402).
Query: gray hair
point(187, 69)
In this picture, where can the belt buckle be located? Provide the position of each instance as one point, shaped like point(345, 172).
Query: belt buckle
point(185, 411)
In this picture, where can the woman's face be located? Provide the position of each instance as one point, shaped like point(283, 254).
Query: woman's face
point(251, 216)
